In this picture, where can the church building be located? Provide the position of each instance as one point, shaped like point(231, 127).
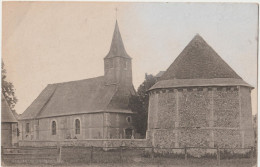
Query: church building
point(95, 108)
point(200, 101)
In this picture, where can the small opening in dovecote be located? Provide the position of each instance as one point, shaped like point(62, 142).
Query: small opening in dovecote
point(200, 89)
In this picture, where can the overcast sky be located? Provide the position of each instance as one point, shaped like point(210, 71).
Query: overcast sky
point(50, 42)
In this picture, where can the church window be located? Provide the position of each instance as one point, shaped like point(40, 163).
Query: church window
point(27, 128)
point(129, 119)
point(77, 126)
point(53, 128)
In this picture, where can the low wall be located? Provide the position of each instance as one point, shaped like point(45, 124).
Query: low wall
point(95, 143)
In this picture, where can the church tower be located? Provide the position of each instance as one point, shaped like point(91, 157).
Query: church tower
point(118, 65)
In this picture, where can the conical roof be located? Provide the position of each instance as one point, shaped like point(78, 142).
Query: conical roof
point(117, 48)
point(7, 114)
point(199, 61)
point(199, 65)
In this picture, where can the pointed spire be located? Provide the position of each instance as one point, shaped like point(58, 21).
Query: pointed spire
point(117, 48)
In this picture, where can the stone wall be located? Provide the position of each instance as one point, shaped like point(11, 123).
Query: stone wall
point(96, 143)
point(246, 117)
point(168, 109)
point(118, 70)
point(115, 125)
point(201, 116)
point(92, 126)
point(194, 108)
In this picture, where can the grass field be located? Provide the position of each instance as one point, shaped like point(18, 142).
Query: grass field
point(113, 158)
point(145, 162)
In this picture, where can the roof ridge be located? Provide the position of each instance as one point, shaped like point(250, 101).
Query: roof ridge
point(59, 83)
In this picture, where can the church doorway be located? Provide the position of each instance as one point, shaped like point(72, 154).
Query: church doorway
point(128, 133)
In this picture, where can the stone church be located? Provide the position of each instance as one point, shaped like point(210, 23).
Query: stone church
point(200, 101)
point(95, 108)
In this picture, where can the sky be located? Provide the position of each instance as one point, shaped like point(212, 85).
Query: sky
point(52, 42)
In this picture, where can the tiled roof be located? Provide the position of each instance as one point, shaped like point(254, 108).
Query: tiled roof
point(199, 65)
point(199, 61)
point(76, 97)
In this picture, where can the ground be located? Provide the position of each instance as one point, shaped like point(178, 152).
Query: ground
point(162, 162)
point(81, 156)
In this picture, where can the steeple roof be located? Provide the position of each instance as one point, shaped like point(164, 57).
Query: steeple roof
point(117, 48)
point(199, 61)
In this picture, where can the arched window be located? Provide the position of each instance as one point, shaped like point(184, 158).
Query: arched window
point(129, 119)
point(53, 128)
point(27, 128)
point(77, 126)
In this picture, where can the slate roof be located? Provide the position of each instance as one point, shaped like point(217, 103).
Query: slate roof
point(199, 65)
point(117, 48)
point(7, 114)
point(76, 97)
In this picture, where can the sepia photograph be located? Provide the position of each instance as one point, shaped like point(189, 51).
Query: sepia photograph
point(129, 84)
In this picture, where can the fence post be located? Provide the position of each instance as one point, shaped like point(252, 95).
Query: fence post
point(252, 152)
point(185, 152)
point(121, 154)
point(218, 156)
point(91, 154)
point(152, 152)
point(59, 160)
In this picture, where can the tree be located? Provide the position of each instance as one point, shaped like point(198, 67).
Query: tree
point(8, 90)
point(139, 104)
